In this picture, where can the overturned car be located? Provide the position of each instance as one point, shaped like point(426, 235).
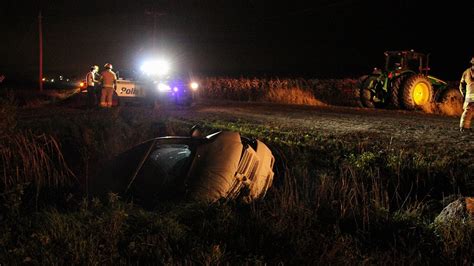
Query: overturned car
point(222, 165)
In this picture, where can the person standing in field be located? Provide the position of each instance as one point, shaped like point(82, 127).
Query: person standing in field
point(466, 87)
point(109, 80)
point(92, 83)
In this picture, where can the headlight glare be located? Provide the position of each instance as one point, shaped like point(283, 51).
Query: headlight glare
point(162, 87)
point(156, 67)
point(194, 86)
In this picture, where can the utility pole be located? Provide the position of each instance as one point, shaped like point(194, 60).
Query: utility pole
point(155, 15)
point(40, 31)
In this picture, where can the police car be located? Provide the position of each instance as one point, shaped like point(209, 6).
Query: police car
point(157, 85)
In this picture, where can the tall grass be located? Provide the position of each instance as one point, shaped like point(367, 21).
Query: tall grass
point(30, 162)
point(291, 96)
point(29, 158)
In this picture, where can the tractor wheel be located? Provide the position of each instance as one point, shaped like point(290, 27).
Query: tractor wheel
point(417, 92)
point(396, 92)
point(366, 94)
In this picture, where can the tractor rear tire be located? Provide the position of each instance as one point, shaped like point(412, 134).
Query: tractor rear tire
point(396, 92)
point(417, 92)
point(366, 94)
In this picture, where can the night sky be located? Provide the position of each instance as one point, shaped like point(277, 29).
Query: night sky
point(321, 38)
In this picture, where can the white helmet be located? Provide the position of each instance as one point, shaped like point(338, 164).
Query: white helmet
point(108, 66)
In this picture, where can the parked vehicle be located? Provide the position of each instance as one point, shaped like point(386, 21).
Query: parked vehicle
point(176, 90)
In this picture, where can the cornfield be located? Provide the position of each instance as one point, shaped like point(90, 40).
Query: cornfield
point(282, 90)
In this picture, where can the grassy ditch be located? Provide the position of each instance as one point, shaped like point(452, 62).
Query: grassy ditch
point(336, 199)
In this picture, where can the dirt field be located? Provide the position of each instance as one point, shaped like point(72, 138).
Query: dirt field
point(401, 127)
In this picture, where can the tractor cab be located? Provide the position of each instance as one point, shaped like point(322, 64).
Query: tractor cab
point(402, 61)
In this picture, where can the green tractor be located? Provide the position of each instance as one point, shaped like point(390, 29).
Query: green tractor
point(404, 83)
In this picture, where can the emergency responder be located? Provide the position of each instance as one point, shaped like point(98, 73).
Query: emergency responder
point(109, 80)
point(92, 83)
point(466, 87)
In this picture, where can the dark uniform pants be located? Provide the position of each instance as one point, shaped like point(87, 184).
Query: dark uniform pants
point(92, 99)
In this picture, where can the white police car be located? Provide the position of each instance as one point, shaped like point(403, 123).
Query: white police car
point(157, 85)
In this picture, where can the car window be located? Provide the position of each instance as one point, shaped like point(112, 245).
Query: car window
point(171, 159)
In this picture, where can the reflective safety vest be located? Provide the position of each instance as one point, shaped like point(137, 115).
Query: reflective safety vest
point(468, 79)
